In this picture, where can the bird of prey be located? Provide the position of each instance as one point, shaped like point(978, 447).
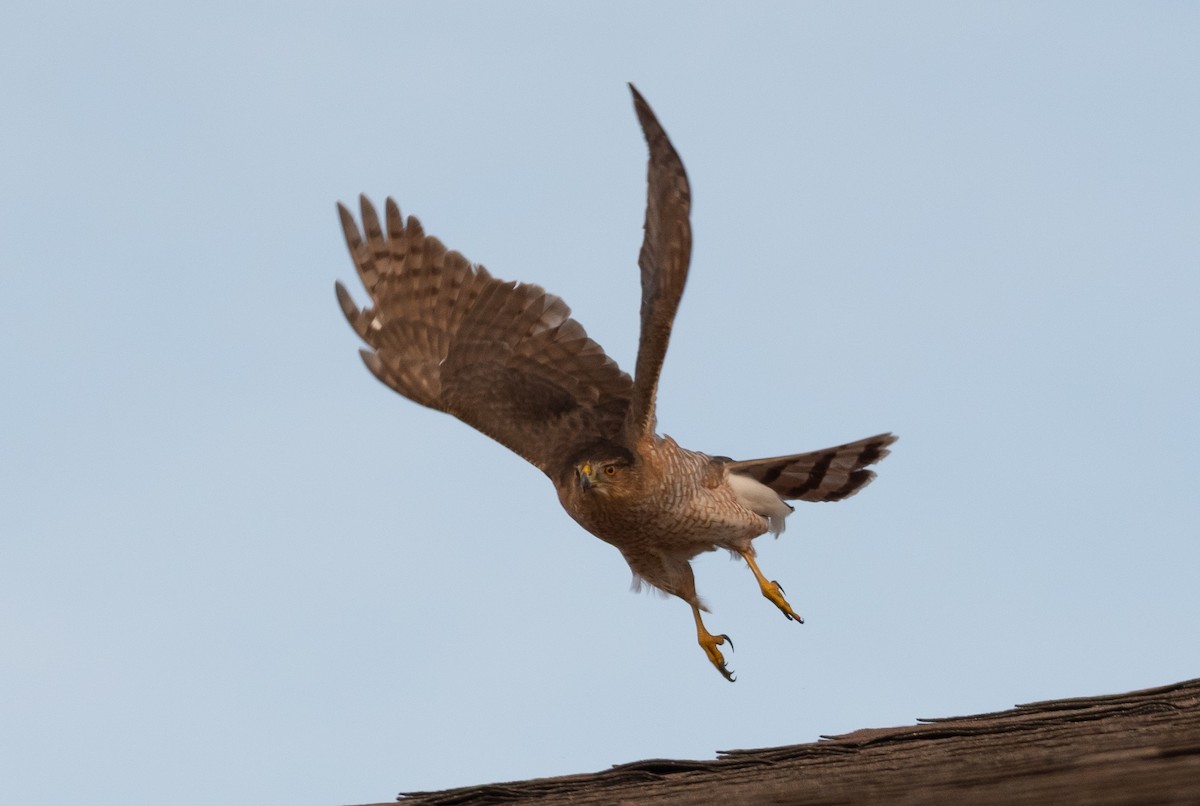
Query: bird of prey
point(508, 359)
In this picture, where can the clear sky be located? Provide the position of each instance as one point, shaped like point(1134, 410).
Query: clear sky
point(234, 568)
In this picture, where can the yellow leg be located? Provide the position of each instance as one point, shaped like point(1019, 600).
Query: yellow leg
point(710, 642)
point(772, 590)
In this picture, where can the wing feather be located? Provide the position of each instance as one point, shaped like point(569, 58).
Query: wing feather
point(503, 357)
point(666, 252)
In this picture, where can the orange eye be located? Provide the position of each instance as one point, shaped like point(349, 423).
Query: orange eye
point(610, 470)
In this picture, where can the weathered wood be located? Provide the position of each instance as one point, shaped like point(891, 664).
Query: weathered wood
point(1141, 747)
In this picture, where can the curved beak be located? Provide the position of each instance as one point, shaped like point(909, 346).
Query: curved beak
point(584, 472)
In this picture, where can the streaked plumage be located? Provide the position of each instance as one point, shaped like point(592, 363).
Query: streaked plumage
point(507, 359)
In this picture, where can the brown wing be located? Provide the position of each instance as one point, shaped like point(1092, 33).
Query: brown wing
point(503, 357)
point(828, 475)
point(666, 250)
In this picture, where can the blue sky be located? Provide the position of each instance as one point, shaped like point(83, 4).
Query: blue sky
point(235, 568)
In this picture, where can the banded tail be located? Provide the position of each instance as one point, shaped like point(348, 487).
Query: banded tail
point(828, 475)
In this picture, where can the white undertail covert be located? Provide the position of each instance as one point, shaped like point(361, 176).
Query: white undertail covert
point(762, 500)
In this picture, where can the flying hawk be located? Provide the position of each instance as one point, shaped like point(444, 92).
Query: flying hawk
point(508, 359)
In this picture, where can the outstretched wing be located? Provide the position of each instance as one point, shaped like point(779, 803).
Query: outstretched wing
point(828, 475)
point(666, 250)
point(503, 357)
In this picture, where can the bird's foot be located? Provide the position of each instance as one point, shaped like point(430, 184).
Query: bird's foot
point(709, 643)
point(774, 593)
point(771, 589)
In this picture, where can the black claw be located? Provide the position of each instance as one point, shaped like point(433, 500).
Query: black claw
point(781, 590)
point(730, 640)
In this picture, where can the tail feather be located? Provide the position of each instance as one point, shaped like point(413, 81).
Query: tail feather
point(828, 475)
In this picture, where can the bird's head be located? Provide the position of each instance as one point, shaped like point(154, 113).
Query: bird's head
point(599, 476)
point(604, 471)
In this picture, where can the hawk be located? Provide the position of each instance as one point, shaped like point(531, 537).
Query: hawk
point(508, 359)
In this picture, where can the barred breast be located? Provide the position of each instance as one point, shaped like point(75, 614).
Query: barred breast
point(686, 505)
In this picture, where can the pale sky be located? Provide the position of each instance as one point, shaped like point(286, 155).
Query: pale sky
point(234, 568)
